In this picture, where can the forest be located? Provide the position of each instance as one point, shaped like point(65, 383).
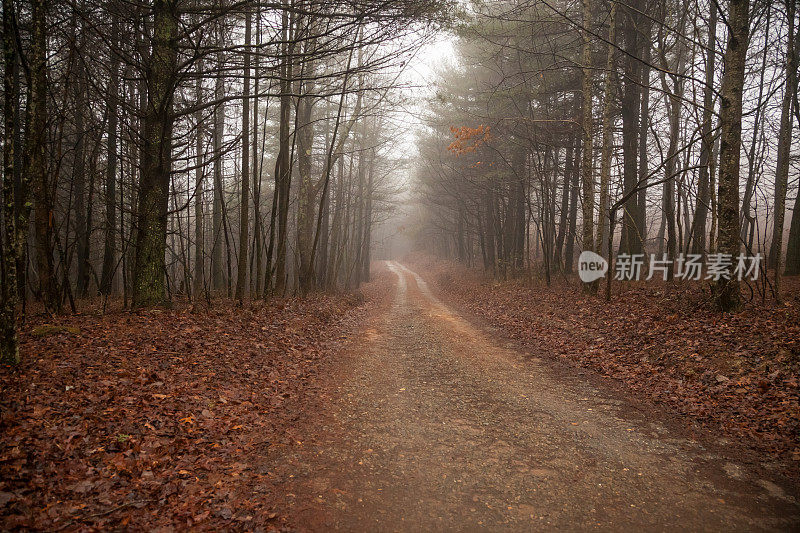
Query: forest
point(620, 128)
point(418, 265)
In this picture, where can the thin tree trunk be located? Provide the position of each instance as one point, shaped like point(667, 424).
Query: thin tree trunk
point(707, 143)
point(217, 226)
point(244, 213)
point(671, 165)
point(631, 242)
point(79, 167)
point(21, 182)
point(36, 139)
point(784, 147)
point(283, 168)
point(199, 245)
point(109, 251)
point(563, 219)
point(587, 173)
point(644, 123)
point(608, 132)
point(307, 192)
point(255, 288)
point(569, 248)
point(748, 220)
point(365, 254)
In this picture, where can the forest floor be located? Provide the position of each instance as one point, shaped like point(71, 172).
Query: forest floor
point(735, 373)
point(390, 410)
point(152, 419)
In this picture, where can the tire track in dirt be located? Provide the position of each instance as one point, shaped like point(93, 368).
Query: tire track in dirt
point(438, 427)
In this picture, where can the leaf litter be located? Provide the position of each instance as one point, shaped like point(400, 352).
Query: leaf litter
point(155, 420)
point(736, 373)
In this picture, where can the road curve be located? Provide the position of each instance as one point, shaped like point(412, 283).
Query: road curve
point(438, 427)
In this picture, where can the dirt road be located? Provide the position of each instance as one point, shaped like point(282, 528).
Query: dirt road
point(437, 426)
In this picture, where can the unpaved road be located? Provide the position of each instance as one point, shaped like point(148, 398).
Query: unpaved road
point(435, 426)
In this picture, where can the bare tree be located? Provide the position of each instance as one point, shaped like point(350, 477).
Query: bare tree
point(727, 293)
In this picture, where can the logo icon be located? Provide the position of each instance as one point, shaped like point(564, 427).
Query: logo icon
point(591, 266)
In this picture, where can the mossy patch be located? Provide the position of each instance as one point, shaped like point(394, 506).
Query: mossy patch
point(52, 329)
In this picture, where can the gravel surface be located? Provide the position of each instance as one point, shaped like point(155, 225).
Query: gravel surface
point(433, 425)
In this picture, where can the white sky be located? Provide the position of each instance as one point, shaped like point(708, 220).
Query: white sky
point(420, 77)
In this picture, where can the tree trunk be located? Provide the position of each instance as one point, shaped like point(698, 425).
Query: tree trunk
point(515, 219)
point(644, 124)
point(748, 219)
point(491, 257)
point(707, 143)
point(631, 242)
point(79, 166)
point(674, 113)
point(21, 184)
point(587, 173)
point(255, 289)
point(36, 139)
point(9, 244)
point(354, 279)
point(217, 229)
point(608, 131)
point(365, 254)
point(569, 249)
point(283, 175)
point(151, 235)
point(244, 206)
point(109, 252)
point(784, 147)
point(727, 294)
point(563, 219)
point(307, 193)
point(199, 245)
point(669, 171)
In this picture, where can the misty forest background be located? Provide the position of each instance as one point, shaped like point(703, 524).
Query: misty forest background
point(202, 149)
point(196, 329)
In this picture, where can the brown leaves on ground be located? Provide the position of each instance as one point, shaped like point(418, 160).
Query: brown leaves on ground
point(153, 419)
point(737, 371)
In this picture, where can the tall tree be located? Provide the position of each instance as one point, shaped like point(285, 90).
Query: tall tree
point(565, 198)
point(9, 244)
point(784, 146)
point(608, 131)
point(199, 244)
point(218, 225)
point(632, 234)
point(112, 95)
point(707, 142)
point(79, 157)
point(645, 49)
point(151, 233)
point(307, 188)
point(674, 103)
point(257, 168)
point(36, 158)
point(727, 295)
point(587, 171)
point(569, 255)
point(244, 222)
point(283, 175)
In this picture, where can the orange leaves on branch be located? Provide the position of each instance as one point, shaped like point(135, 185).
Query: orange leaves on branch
point(468, 139)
